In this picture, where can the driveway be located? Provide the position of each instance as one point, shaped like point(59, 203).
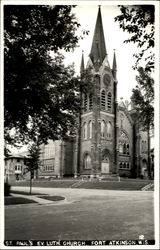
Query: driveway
point(84, 215)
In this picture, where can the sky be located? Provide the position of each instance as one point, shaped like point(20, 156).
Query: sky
point(114, 38)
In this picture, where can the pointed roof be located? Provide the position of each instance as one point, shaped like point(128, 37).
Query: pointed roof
point(82, 64)
point(114, 67)
point(98, 50)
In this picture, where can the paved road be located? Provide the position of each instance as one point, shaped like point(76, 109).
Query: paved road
point(84, 215)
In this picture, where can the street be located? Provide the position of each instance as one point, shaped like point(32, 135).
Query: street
point(84, 215)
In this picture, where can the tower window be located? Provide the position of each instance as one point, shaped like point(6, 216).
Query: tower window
point(90, 102)
point(85, 102)
point(85, 131)
point(109, 101)
point(109, 130)
point(103, 99)
point(103, 129)
point(90, 129)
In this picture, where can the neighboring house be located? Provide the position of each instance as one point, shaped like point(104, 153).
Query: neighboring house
point(15, 166)
point(110, 140)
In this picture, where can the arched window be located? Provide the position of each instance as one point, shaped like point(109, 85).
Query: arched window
point(85, 130)
point(90, 129)
point(120, 165)
point(109, 101)
point(142, 146)
point(124, 148)
point(103, 125)
point(145, 146)
point(90, 101)
point(87, 161)
point(127, 149)
point(124, 165)
point(120, 148)
point(103, 99)
point(85, 102)
point(123, 143)
point(109, 130)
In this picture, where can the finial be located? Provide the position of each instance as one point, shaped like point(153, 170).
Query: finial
point(99, 6)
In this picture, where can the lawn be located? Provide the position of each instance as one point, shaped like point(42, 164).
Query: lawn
point(12, 200)
point(124, 184)
point(25, 192)
point(51, 198)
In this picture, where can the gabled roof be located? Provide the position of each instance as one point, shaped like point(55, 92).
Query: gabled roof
point(21, 155)
point(98, 49)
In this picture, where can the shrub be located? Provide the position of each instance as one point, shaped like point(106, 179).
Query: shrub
point(7, 188)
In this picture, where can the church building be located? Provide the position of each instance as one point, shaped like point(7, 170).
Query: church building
point(109, 140)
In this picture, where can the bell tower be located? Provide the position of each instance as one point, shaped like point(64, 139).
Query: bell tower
point(98, 118)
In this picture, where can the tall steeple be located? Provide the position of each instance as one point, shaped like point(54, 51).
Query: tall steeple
point(114, 67)
point(82, 64)
point(98, 49)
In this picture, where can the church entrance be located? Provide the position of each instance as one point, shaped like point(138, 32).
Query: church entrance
point(105, 163)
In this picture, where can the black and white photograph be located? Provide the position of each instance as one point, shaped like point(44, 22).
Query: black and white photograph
point(79, 124)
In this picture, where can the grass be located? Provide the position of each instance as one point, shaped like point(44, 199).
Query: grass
point(10, 200)
point(124, 184)
point(52, 198)
point(24, 192)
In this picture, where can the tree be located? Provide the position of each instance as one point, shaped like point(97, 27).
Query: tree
point(143, 99)
point(33, 160)
point(138, 21)
point(40, 93)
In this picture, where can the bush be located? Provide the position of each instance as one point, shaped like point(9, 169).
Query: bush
point(7, 188)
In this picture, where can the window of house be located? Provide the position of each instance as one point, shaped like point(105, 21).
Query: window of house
point(109, 101)
point(15, 167)
point(85, 130)
point(109, 130)
point(103, 125)
point(103, 99)
point(87, 161)
point(85, 102)
point(90, 129)
point(90, 102)
point(18, 160)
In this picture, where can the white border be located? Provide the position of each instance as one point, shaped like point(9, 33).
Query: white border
point(157, 65)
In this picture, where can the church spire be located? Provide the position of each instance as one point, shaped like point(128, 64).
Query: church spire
point(82, 64)
point(114, 67)
point(98, 50)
